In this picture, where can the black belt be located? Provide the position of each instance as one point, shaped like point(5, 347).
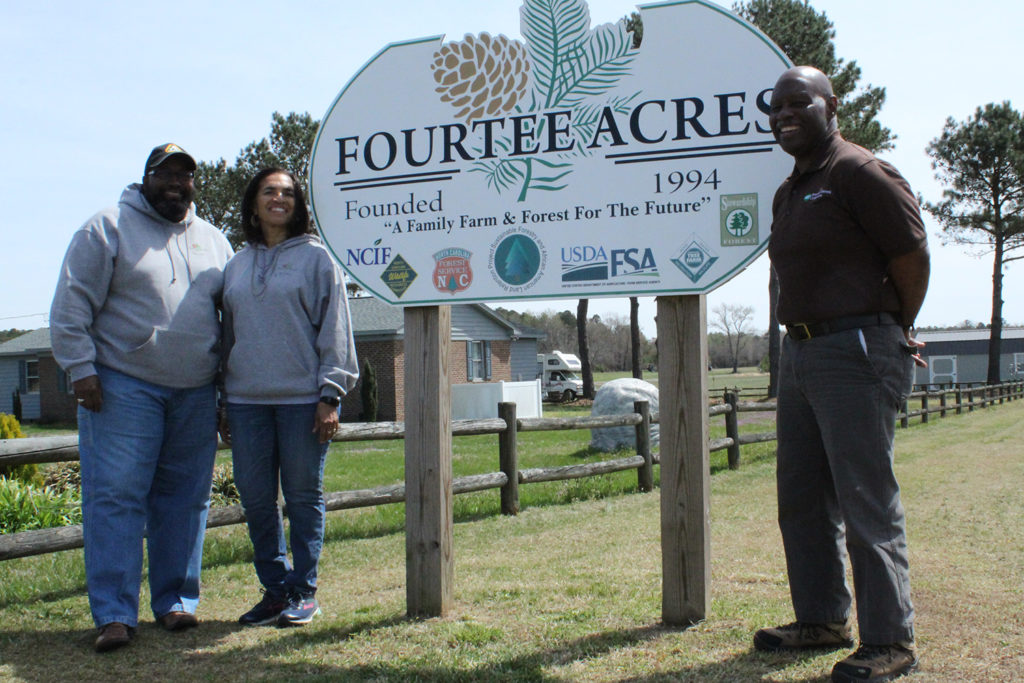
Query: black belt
point(804, 331)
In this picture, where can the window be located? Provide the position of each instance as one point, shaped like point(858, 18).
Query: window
point(29, 376)
point(478, 361)
point(64, 385)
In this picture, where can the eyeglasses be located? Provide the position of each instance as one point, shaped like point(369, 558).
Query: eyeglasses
point(167, 174)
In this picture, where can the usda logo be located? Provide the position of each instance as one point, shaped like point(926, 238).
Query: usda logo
point(738, 219)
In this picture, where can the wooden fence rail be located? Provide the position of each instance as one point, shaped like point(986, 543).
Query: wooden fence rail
point(65, 449)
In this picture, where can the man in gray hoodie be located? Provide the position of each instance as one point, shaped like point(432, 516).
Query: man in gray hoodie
point(135, 323)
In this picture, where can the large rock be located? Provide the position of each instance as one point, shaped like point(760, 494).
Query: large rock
point(616, 398)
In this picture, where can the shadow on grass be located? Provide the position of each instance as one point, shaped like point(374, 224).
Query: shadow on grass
point(200, 654)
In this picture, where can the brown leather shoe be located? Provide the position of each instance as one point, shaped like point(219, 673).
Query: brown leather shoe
point(178, 621)
point(113, 636)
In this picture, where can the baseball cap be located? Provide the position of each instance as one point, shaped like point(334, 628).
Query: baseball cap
point(162, 153)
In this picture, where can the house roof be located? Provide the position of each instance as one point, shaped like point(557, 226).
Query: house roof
point(371, 317)
point(981, 334)
point(30, 342)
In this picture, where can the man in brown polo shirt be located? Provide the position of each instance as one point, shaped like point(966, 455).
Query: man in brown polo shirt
point(851, 254)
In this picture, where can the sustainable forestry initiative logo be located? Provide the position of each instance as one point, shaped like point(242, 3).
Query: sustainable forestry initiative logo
point(517, 259)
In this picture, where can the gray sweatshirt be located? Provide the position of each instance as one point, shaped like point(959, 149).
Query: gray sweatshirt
point(287, 330)
point(139, 294)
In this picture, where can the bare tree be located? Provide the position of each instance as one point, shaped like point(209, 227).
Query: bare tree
point(733, 321)
point(584, 348)
point(774, 334)
point(634, 337)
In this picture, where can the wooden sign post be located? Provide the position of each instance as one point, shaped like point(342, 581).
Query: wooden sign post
point(429, 561)
point(685, 463)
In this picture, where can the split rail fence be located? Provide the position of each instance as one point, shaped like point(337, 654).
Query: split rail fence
point(510, 476)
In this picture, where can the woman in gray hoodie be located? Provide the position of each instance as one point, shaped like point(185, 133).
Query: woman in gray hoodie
point(289, 357)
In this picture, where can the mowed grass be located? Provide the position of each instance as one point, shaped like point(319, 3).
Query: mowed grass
point(572, 592)
point(751, 382)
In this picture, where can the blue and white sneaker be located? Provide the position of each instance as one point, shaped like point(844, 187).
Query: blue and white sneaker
point(265, 612)
point(300, 611)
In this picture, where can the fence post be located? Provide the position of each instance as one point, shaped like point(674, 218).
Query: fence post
point(970, 399)
point(645, 473)
point(924, 407)
point(942, 403)
point(959, 400)
point(905, 415)
point(508, 459)
point(732, 429)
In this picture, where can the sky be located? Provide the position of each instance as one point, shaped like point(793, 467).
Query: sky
point(90, 88)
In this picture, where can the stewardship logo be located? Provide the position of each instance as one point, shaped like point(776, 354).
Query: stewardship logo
point(563, 65)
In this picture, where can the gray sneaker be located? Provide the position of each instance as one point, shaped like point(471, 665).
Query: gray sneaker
point(803, 636)
point(876, 663)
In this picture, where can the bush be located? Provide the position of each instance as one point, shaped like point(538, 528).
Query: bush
point(64, 476)
point(368, 392)
point(24, 507)
point(29, 473)
point(224, 492)
point(10, 428)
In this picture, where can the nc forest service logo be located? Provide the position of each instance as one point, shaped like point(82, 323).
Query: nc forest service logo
point(517, 260)
point(452, 273)
point(571, 156)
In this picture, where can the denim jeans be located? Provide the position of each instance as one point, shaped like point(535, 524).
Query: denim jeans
point(271, 443)
point(838, 399)
point(147, 463)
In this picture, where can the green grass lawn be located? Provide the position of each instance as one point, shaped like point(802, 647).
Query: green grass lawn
point(566, 592)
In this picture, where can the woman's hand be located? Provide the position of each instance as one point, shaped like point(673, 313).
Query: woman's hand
point(326, 424)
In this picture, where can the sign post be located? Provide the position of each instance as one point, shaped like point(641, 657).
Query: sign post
point(567, 163)
point(428, 462)
point(685, 465)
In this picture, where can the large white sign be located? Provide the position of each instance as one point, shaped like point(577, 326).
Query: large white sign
point(564, 164)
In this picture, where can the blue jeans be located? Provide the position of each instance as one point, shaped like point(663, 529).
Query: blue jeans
point(838, 399)
point(147, 463)
point(268, 443)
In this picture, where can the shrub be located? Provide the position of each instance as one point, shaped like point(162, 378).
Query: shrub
point(368, 392)
point(224, 492)
point(24, 507)
point(16, 404)
point(10, 428)
point(29, 473)
point(64, 476)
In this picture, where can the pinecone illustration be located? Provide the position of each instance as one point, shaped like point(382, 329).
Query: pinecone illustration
point(481, 75)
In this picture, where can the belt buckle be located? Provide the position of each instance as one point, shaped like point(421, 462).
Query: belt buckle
point(806, 331)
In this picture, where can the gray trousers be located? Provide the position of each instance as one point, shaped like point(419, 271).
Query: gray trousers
point(839, 395)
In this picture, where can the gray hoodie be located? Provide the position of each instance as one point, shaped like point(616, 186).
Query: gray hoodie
point(287, 331)
point(139, 294)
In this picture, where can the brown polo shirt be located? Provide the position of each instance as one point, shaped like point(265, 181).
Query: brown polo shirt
point(835, 229)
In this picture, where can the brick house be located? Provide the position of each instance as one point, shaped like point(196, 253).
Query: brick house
point(27, 367)
point(485, 348)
